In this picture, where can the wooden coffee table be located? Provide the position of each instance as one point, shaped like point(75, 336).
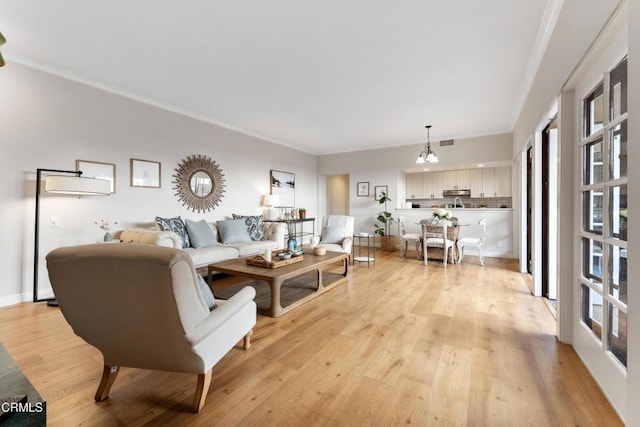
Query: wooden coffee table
point(276, 276)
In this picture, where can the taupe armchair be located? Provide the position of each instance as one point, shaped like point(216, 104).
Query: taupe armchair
point(141, 306)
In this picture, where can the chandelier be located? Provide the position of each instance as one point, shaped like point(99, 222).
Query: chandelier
point(427, 155)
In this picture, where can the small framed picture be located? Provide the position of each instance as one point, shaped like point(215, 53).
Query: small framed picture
point(379, 189)
point(145, 173)
point(100, 170)
point(363, 189)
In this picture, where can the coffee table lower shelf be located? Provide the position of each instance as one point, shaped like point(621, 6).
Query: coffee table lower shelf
point(280, 290)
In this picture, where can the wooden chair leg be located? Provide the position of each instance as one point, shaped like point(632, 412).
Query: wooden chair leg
point(247, 340)
point(109, 374)
point(202, 389)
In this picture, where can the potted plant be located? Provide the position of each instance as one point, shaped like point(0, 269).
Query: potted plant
point(388, 242)
point(302, 212)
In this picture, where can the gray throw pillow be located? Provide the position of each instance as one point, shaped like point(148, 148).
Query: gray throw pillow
point(206, 292)
point(200, 234)
point(254, 225)
point(233, 231)
point(333, 235)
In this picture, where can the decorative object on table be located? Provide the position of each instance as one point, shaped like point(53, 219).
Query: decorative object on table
point(387, 240)
point(379, 190)
point(284, 255)
point(427, 155)
point(100, 170)
point(75, 185)
point(283, 184)
point(302, 213)
point(441, 213)
point(104, 225)
point(320, 250)
point(363, 189)
point(270, 202)
point(199, 183)
point(275, 262)
point(145, 173)
point(292, 243)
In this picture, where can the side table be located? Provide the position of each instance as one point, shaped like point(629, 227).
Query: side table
point(371, 248)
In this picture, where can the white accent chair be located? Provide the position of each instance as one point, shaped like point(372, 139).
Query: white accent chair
point(142, 307)
point(434, 235)
point(336, 234)
point(406, 238)
point(476, 242)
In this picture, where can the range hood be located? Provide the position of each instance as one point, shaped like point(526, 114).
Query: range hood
point(456, 193)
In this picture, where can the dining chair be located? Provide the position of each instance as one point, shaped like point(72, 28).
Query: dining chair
point(405, 238)
point(476, 242)
point(434, 235)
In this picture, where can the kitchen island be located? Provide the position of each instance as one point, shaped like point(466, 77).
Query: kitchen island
point(499, 243)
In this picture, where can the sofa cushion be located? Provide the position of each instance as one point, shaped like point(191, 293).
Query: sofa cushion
point(206, 292)
point(201, 234)
point(177, 226)
point(205, 256)
point(253, 224)
point(233, 231)
point(255, 247)
point(333, 235)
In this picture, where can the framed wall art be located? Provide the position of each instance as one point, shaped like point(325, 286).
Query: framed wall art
point(363, 189)
point(101, 170)
point(284, 185)
point(145, 173)
point(379, 189)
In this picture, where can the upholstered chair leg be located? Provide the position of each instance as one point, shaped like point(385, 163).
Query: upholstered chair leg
point(109, 374)
point(480, 255)
point(202, 389)
point(247, 340)
point(445, 257)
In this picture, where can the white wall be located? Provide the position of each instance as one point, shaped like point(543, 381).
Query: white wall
point(49, 122)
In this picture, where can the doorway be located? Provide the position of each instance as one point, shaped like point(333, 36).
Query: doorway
point(338, 195)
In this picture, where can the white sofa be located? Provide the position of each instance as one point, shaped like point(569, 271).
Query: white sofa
point(273, 239)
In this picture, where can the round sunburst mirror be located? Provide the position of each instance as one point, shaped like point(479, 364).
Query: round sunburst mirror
point(199, 183)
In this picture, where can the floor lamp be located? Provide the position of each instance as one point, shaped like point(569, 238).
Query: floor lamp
point(72, 184)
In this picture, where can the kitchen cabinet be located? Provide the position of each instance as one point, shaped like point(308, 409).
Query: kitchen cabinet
point(437, 181)
point(457, 179)
point(415, 186)
point(483, 182)
point(503, 181)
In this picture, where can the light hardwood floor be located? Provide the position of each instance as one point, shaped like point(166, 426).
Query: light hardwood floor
point(399, 344)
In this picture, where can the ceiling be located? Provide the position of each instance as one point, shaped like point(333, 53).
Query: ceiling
point(324, 77)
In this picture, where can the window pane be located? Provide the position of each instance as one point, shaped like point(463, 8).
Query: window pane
point(592, 163)
point(617, 282)
point(594, 111)
point(617, 334)
point(592, 310)
point(592, 211)
point(618, 151)
point(592, 259)
point(618, 209)
point(618, 90)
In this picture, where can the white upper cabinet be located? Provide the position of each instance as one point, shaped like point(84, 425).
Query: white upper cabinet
point(437, 184)
point(503, 181)
point(482, 182)
point(415, 186)
point(457, 179)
